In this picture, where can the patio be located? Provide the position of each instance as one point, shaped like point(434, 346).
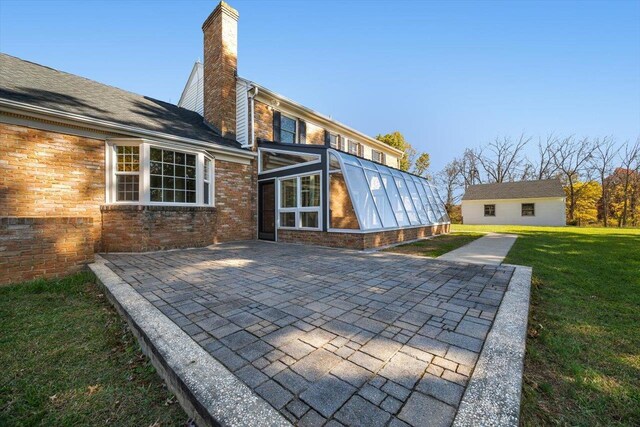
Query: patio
point(328, 334)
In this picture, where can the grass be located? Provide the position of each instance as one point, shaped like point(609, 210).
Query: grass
point(582, 366)
point(68, 359)
point(437, 245)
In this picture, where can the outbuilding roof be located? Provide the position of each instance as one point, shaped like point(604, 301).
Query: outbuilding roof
point(37, 85)
point(515, 190)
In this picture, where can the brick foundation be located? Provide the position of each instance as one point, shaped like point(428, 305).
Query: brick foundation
point(359, 241)
point(43, 247)
point(131, 228)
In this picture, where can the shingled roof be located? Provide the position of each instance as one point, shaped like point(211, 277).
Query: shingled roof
point(515, 190)
point(41, 86)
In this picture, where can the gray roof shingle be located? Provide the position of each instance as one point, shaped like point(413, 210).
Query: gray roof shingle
point(37, 85)
point(515, 190)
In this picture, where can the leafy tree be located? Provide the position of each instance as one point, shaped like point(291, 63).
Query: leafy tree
point(422, 164)
point(396, 140)
point(585, 209)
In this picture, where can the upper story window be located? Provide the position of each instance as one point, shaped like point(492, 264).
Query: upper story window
point(528, 209)
point(377, 156)
point(354, 148)
point(287, 129)
point(489, 210)
point(142, 172)
point(334, 141)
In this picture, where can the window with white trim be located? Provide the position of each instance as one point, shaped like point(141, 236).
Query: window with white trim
point(173, 176)
point(354, 148)
point(127, 173)
point(300, 202)
point(334, 141)
point(148, 173)
point(206, 196)
point(377, 156)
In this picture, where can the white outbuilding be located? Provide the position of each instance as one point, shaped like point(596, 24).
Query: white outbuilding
point(515, 203)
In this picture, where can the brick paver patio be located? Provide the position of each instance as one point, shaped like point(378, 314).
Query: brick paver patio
point(327, 335)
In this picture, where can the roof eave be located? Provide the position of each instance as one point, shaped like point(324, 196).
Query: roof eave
point(323, 117)
point(11, 106)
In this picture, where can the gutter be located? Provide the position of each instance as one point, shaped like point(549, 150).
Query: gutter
point(16, 107)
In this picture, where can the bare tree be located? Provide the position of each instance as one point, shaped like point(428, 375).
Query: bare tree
point(545, 167)
point(468, 168)
point(629, 158)
point(448, 179)
point(602, 162)
point(571, 156)
point(502, 158)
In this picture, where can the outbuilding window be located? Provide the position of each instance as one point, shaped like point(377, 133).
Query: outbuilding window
point(489, 210)
point(528, 209)
point(145, 172)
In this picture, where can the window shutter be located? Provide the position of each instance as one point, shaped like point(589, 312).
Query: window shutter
point(360, 150)
point(339, 142)
point(302, 132)
point(327, 141)
point(383, 158)
point(276, 126)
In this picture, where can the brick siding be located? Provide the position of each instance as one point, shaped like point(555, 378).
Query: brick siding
point(263, 121)
point(49, 174)
point(341, 208)
point(44, 247)
point(131, 228)
point(359, 241)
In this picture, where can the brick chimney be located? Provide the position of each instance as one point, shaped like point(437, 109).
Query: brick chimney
point(220, 69)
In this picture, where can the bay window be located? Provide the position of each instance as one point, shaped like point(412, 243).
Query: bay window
point(300, 202)
point(144, 172)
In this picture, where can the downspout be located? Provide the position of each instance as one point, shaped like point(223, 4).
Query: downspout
point(251, 108)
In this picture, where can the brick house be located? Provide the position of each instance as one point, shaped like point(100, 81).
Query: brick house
point(90, 168)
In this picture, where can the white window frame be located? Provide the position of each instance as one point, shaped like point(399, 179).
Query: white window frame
point(144, 197)
point(295, 134)
point(356, 144)
point(299, 208)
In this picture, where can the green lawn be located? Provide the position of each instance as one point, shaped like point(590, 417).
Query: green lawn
point(582, 366)
point(68, 359)
point(437, 245)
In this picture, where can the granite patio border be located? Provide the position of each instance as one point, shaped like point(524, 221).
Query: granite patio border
point(207, 391)
point(494, 392)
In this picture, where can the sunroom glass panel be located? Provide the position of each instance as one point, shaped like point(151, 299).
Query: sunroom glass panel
point(417, 201)
point(406, 200)
point(380, 199)
point(361, 198)
point(395, 199)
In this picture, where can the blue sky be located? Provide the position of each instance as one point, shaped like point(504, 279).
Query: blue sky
point(448, 75)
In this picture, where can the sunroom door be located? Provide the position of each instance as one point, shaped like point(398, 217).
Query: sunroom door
point(267, 210)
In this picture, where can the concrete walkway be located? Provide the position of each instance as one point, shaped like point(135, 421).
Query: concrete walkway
point(490, 249)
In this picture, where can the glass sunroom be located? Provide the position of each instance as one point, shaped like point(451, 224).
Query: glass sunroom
point(320, 189)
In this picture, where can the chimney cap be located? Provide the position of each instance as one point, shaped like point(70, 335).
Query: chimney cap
point(223, 7)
